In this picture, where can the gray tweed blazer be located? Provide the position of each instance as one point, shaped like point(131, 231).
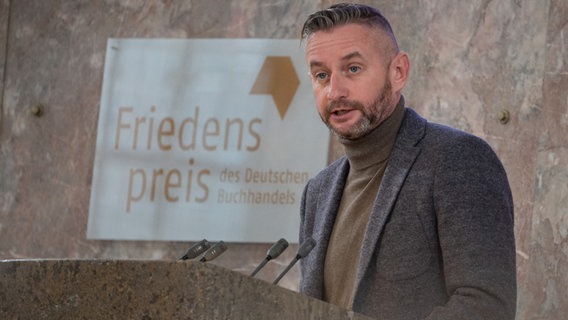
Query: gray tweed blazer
point(440, 240)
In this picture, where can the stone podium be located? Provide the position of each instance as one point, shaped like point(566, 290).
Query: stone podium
point(148, 289)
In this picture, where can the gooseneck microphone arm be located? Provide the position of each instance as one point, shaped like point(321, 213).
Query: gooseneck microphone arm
point(303, 251)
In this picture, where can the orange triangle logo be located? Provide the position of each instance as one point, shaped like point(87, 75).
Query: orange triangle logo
point(278, 78)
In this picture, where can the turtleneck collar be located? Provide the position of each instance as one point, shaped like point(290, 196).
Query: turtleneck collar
point(375, 147)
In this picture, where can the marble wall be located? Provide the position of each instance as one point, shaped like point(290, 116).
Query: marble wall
point(472, 62)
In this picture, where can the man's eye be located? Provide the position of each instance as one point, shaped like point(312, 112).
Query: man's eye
point(321, 75)
point(354, 69)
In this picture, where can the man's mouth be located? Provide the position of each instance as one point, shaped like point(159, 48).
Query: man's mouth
point(340, 112)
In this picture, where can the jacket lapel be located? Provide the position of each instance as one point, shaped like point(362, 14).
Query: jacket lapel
point(403, 156)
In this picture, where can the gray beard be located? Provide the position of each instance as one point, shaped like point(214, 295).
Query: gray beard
point(369, 120)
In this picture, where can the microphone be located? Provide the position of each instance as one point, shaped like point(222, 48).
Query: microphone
point(213, 252)
point(272, 253)
point(303, 251)
point(196, 250)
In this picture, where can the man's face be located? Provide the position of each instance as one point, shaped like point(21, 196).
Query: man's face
point(350, 79)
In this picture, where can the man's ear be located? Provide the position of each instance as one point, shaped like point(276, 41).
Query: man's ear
point(399, 71)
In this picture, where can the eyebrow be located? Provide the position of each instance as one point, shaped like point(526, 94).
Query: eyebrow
point(349, 56)
point(354, 54)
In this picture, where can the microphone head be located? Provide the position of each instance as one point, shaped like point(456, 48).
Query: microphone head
point(197, 249)
point(305, 248)
point(215, 251)
point(277, 249)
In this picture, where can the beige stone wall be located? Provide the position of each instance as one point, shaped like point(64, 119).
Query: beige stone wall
point(471, 61)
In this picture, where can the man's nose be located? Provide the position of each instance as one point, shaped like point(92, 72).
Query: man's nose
point(337, 88)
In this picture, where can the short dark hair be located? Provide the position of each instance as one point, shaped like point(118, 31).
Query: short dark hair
point(346, 13)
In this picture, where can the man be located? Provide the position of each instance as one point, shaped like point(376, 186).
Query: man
point(416, 221)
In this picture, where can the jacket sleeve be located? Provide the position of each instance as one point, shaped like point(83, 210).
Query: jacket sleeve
point(308, 283)
point(474, 209)
point(303, 222)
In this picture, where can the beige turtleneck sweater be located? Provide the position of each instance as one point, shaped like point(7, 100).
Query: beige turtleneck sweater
point(368, 158)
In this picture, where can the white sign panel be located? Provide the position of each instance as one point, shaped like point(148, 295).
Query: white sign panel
point(211, 138)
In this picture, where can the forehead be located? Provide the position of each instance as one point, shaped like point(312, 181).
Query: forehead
point(342, 40)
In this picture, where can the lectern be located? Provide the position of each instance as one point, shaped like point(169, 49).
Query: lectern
point(148, 289)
